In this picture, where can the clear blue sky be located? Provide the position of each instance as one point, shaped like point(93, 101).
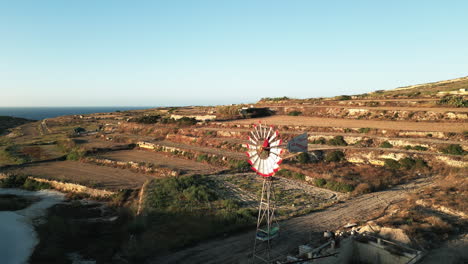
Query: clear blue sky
point(149, 53)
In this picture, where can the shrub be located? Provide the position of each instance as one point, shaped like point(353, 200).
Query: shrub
point(364, 130)
point(334, 156)
point(202, 157)
point(386, 144)
point(337, 141)
point(407, 163)
point(320, 182)
point(343, 97)
point(339, 186)
point(291, 174)
point(320, 140)
point(184, 121)
point(417, 147)
point(275, 99)
point(303, 158)
point(150, 119)
point(391, 164)
point(23, 182)
point(363, 188)
point(76, 154)
point(239, 165)
point(33, 185)
point(453, 149)
point(295, 113)
point(229, 111)
point(457, 101)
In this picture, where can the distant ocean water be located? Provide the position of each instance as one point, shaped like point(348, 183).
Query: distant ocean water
point(38, 113)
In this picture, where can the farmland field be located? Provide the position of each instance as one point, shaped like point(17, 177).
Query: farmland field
point(161, 160)
point(350, 123)
point(86, 174)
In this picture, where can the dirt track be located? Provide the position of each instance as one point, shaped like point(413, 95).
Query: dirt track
point(353, 123)
point(294, 232)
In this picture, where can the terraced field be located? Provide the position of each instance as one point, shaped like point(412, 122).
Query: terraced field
point(347, 123)
point(161, 160)
point(99, 177)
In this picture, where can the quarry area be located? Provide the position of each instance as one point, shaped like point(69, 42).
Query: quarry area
point(385, 177)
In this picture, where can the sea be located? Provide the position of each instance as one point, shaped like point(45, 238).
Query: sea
point(39, 113)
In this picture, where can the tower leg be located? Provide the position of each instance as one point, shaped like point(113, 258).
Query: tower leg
point(267, 227)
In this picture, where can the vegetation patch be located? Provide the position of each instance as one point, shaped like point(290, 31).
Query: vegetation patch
point(23, 182)
point(335, 156)
point(453, 149)
point(417, 147)
point(453, 100)
point(295, 113)
point(182, 211)
point(386, 144)
point(337, 141)
point(320, 140)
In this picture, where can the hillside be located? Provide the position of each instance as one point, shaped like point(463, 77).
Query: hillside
point(182, 174)
point(7, 122)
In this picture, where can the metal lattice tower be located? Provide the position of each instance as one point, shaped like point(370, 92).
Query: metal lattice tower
point(267, 226)
point(264, 153)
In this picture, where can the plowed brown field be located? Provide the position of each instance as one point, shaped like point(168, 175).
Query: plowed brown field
point(353, 123)
point(99, 177)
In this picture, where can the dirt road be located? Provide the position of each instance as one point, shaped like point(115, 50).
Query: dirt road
point(353, 123)
point(294, 232)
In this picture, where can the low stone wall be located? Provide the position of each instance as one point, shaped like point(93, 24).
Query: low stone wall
point(74, 188)
point(376, 157)
point(185, 153)
point(133, 166)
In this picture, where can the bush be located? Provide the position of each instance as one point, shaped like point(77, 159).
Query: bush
point(457, 101)
point(202, 157)
point(363, 188)
point(23, 182)
point(337, 141)
point(229, 111)
point(150, 119)
point(275, 99)
point(291, 174)
point(364, 130)
point(320, 182)
point(295, 113)
point(33, 185)
point(339, 186)
point(334, 156)
point(184, 121)
point(407, 163)
point(391, 164)
point(453, 149)
point(239, 165)
point(76, 154)
point(303, 158)
point(386, 144)
point(417, 147)
point(343, 97)
point(321, 141)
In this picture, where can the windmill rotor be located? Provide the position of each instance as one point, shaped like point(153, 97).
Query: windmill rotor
point(264, 151)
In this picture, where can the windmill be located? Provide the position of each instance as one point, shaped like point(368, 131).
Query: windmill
point(264, 155)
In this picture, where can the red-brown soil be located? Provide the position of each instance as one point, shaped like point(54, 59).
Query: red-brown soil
point(352, 123)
